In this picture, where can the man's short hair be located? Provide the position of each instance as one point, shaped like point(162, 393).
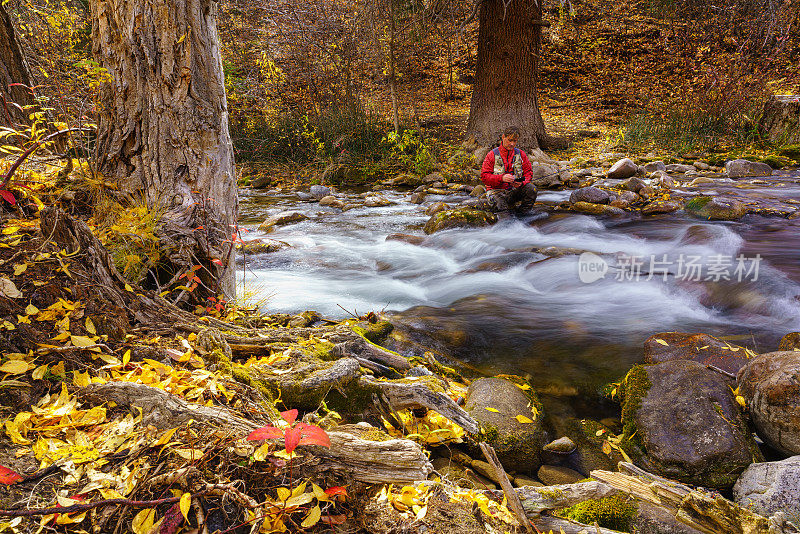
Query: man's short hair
point(511, 132)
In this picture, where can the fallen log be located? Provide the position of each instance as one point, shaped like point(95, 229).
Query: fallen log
point(536, 500)
point(351, 456)
point(706, 512)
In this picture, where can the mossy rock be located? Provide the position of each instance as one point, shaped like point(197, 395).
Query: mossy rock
point(497, 405)
point(459, 218)
point(616, 512)
point(680, 420)
point(715, 208)
point(374, 332)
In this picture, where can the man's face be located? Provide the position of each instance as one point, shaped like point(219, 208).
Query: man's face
point(509, 142)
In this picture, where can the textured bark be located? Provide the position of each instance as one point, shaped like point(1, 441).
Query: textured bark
point(509, 39)
point(163, 128)
point(12, 70)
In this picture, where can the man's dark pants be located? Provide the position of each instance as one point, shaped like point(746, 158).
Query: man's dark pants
point(503, 201)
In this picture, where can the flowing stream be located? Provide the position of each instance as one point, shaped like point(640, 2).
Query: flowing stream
point(492, 298)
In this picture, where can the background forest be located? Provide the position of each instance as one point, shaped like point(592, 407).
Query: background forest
point(313, 82)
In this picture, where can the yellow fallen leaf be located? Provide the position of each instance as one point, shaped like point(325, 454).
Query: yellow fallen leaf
point(20, 268)
point(14, 367)
point(662, 342)
point(189, 454)
point(522, 419)
point(81, 379)
point(128, 288)
point(143, 521)
point(82, 341)
point(185, 504)
point(90, 327)
point(312, 518)
point(523, 387)
point(495, 410)
point(741, 401)
point(30, 309)
point(284, 493)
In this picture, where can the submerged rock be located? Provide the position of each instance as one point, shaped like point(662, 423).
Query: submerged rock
point(282, 218)
point(662, 206)
point(715, 208)
point(681, 421)
point(771, 390)
point(260, 246)
point(770, 487)
point(496, 403)
point(459, 218)
point(433, 209)
point(701, 348)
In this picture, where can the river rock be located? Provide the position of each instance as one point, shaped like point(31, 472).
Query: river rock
point(302, 195)
point(547, 175)
point(655, 166)
point(552, 475)
point(701, 180)
point(562, 445)
point(632, 184)
point(433, 209)
point(281, 219)
point(769, 487)
point(716, 208)
point(260, 182)
point(517, 444)
point(790, 341)
point(681, 421)
point(377, 201)
point(319, 191)
point(432, 178)
point(593, 195)
point(437, 191)
point(331, 201)
point(463, 217)
point(661, 206)
point(679, 168)
point(478, 191)
point(624, 168)
point(701, 165)
point(596, 209)
point(260, 246)
point(406, 238)
point(418, 198)
point(646, 192)
point(771, 390)
point(742, 168)
point(701, 348)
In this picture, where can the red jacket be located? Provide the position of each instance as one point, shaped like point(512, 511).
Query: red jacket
point(495, 181)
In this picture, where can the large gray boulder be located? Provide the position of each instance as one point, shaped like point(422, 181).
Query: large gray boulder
point(680, 420)
point(771, 389)
point(742, 168)
point(624, 168)
point(715, 208)
point(769, 487)
point(319, 191)
point(594, 195)
point(547, 175)
point(495, 404)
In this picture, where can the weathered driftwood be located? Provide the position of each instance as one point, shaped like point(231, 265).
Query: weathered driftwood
point(700, 510)
point(418, 394)
point(537, 500)
point(565, 526)
point(397, 461)
point(513, 499)
point(362, 348)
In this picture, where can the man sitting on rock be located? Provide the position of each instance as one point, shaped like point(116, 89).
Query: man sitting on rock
point(507, 173)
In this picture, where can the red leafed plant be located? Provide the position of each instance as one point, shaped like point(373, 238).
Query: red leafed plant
point(8, 476)
point(293, 435)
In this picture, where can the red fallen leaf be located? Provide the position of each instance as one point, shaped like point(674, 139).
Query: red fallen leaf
point(265, 432)
point(292, 438)
point(313, 435)
point(8, 196)
point(290, 416)
point(8, 476)
point(336, 490)
point(172, 520)
point(217, 261)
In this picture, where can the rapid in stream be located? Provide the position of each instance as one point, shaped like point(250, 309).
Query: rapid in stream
point(492, 298)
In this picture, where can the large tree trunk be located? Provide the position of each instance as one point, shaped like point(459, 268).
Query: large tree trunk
point(509, 39)
point(163, 128)
point(12, 70)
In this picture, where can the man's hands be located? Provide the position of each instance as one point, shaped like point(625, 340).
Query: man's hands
point(509, 179)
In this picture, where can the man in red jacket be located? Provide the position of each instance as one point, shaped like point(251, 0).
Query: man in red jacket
point(507, 173)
